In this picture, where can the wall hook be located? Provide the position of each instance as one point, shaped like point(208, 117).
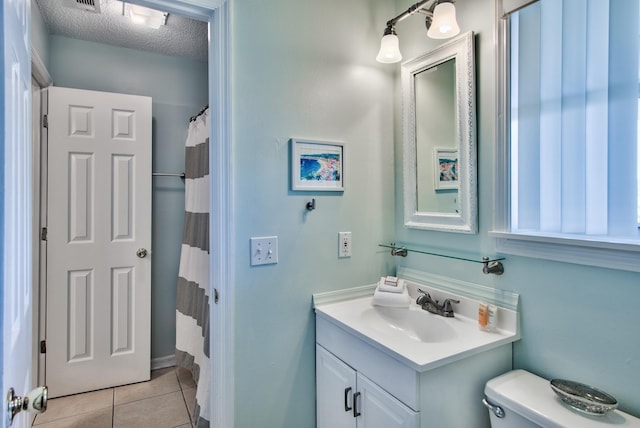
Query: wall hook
point(311, 205)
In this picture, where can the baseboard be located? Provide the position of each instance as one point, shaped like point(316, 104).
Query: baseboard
point(162, 362)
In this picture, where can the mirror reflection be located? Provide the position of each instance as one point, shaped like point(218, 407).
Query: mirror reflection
point(439, 138)
point(436, 145)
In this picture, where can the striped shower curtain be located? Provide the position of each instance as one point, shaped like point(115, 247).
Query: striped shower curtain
point(193, 295)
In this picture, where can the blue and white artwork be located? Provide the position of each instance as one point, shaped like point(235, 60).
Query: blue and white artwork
point(320, 166)
point(317, 165)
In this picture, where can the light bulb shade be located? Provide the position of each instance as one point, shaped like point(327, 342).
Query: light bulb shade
point(389, 49)
point(444, 24)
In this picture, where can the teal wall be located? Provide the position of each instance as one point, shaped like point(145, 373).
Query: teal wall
point(306, 69)
point(578, 322)
point(179, 90)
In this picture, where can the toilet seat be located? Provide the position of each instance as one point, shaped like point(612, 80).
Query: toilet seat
point(531, 397)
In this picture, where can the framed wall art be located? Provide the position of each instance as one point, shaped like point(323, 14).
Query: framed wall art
point(317, 165)
point(446, 169)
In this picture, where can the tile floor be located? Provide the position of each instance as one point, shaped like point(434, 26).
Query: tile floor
point(166, 401)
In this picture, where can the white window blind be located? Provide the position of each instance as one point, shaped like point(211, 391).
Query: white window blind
point(573, 124)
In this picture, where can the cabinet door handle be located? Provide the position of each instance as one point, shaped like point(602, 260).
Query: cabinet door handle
point(356, 413)
point(346, 399)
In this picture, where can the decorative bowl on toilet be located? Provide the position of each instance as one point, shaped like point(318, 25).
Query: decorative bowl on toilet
point(519, 399)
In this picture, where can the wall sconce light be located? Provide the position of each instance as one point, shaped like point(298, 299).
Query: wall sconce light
point(440, 21)
point(389, 47)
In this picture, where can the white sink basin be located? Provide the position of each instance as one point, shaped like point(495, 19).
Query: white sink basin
point(418, 325)
point(416, 337)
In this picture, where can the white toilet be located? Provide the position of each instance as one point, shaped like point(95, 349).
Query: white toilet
point(526, 401)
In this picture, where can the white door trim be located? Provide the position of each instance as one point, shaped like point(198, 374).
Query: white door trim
point(36, 113)
point(41, 285)
point(39, 71)
point(221, 231)
point(216, 13)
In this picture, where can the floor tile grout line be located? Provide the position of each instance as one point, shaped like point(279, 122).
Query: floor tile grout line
point(72, 397)
point(151, 396)
point(71, 415)
point(114, 425)
point(184, 400)
point(146, 398)
point(181, 388)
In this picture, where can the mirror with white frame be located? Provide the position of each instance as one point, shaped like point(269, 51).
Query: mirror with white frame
point(439, 144)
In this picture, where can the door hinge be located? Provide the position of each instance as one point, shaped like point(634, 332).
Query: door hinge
point(43, 234)
point(43, 346)
point(45, 121)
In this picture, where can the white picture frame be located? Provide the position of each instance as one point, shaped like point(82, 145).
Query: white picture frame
point(317, 165)
point(446, 169)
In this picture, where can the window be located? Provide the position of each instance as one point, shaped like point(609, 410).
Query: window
point(569, 187)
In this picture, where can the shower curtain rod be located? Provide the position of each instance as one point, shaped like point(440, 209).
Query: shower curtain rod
point(168, 174)
point(192, 118)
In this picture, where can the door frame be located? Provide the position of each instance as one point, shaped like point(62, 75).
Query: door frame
point(221, 253)
point(41, 75)
point(217, 14)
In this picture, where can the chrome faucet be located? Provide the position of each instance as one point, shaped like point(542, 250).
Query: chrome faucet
point(430, 305)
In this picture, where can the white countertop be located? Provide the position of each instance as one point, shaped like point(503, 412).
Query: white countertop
point(444, 340)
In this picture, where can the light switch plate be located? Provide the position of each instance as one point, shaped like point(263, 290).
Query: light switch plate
point(264, 250)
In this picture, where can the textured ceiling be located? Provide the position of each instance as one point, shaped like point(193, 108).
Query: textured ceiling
point(181, 37)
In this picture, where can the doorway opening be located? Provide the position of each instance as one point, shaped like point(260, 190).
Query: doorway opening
point(217, 94)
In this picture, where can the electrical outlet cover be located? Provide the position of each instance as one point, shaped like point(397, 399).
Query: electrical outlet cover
point(344, 244)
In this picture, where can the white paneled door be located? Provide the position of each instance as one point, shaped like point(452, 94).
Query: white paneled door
point(15, 213)
point(99, 240)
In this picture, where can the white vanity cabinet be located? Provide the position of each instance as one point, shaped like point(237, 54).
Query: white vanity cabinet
point(348, 399)
point(395, 380)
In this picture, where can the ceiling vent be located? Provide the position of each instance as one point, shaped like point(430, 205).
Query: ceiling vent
point(88, 5)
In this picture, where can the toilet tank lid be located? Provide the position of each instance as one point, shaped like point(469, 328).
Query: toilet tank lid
point(531, 397)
